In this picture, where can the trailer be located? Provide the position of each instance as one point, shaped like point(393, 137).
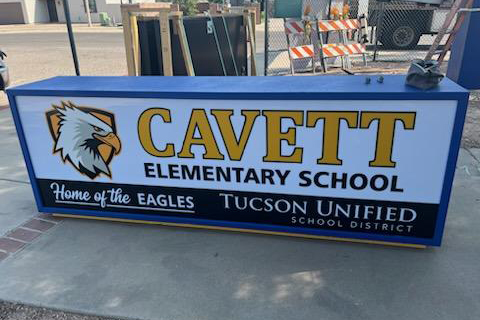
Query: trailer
point(403, 22)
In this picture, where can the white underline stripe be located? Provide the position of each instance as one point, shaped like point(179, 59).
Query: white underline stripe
point(126, 207)
point(78, 202)
point(149, 208)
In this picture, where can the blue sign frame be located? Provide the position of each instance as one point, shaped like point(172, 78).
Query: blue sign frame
point(249, 88)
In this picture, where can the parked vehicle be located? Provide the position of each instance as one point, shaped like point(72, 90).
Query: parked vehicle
point(404, 22)
point(4, 77)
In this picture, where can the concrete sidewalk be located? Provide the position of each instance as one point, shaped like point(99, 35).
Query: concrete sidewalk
point(153, 272)
point(16, 203)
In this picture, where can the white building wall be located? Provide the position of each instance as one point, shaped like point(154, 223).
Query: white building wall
point(78, 14)
point(25, 15)
point(34, 11)
point(37, 11)
point(60, 12)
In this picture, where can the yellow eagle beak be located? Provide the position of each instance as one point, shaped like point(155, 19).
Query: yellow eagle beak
point(110, 139)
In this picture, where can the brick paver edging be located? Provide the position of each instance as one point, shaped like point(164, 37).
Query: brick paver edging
point(18, 238)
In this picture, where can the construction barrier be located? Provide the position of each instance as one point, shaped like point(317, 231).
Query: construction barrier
point(345, 48)
point(293, 27)
point(296, 27)
point(336, 25)
point(336, 50)
point(300, 52)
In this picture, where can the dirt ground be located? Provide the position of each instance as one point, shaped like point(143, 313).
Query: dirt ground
point(471, 131)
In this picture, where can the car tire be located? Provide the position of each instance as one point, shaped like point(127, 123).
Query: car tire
point(402, 36)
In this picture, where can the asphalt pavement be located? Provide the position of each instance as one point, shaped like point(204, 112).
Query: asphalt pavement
point(34, 56)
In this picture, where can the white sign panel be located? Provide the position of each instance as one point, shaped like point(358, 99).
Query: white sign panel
point(368, 168)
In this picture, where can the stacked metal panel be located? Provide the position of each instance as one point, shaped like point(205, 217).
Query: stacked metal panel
point(210, 49)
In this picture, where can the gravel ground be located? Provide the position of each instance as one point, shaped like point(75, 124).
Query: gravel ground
point(15, 311)
point(471, 130)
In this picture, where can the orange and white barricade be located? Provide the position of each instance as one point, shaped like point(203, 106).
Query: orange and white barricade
point(338, 25)
point(301, 52)
point(306, 51)
point(293, 27)
point(332, 50)
point(344, 49)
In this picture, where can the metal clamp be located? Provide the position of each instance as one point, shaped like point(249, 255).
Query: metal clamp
point(210, 27)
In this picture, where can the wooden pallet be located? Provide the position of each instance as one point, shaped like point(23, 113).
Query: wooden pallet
point(249, 20)
point(163, 11)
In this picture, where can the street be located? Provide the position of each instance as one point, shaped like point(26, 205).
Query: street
point(34, 56)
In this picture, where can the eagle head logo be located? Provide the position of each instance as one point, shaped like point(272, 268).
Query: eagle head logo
point(84, 137)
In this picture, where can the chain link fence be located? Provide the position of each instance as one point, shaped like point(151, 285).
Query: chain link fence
point(397, 32)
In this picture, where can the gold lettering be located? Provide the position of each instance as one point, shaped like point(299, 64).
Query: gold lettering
point(331, 132)
point(386, 133)
point(275, 136)
point(145, 132)
point(235, 147)
point(199, 120)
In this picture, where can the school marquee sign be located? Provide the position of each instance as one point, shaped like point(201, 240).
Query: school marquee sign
point(324, 157)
